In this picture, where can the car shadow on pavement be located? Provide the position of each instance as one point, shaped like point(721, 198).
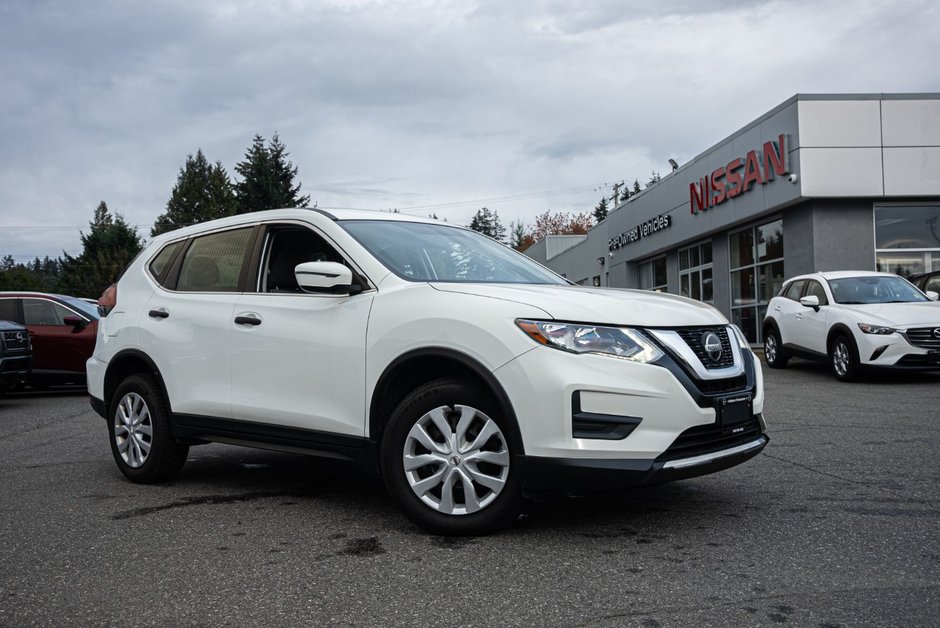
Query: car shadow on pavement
point(823, 371)
point(219, 474)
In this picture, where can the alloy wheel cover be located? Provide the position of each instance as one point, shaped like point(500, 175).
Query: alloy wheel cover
point(456, 459)
point(133, 430)
point(770, 348)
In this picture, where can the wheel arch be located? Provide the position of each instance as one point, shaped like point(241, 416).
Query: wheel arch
point(124, 364)
point(771, 323)
point(840, 329)
point(420, 366)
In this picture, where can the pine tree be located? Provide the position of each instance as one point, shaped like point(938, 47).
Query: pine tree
point(519, 236)
point(488, 223)
point(636, 186)
point(267, 178)
point(600, 210)
point(108, 247)
point(202, 192)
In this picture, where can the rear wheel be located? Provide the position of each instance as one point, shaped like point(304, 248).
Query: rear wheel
point(843, 358)
point(446, 460)
point(141, 443)
point(773, 350)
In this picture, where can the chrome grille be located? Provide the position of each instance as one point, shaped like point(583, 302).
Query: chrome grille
point(924, 337)
point(16, 340)
point(693, 336)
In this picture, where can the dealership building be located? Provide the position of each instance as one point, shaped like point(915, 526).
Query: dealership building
point(820, 182)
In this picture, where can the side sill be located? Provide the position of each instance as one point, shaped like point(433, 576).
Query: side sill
point(293, 440)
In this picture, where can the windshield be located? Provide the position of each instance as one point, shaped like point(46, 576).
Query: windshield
point(874, 289)
point(83, 307)
point(425, 252)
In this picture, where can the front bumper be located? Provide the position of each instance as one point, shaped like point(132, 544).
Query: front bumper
point(647, 406)
point(895, 352)
point(586, 475)
point(14, 370)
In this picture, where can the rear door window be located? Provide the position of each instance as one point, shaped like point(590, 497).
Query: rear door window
point(214, 262)
point(794, 290)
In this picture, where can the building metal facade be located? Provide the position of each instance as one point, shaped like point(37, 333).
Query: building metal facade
point(820, 182)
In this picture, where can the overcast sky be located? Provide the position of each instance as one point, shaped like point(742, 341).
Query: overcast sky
point(425, 106)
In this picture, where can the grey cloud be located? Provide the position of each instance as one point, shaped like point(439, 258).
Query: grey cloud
point(395, 104)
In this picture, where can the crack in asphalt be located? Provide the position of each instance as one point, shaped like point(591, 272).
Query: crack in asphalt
point(908, 498)
point(202, 500)
point(762, 598)
point(40, 426)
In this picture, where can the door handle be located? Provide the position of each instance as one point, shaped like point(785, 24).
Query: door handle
point(158, 313)
point(776, 308)
point(242, 319)
point(799, 317)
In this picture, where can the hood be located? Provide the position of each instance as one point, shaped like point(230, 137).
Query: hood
point(897, 314)
point(610, 306)
point(11, 326)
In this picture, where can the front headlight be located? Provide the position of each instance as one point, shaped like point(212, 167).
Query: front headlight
point(876, 329)
point(620, 342)
point(741, 338)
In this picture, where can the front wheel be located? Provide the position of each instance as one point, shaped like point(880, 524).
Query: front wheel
point(141, 443)
point(843, 358)
point(446, 459)
point(773, 350)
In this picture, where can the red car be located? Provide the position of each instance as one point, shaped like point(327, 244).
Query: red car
point(62, 329)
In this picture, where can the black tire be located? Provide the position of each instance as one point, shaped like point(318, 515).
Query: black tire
point(843, 358)
point(501, 506)
point(774, 354)
point(165, 457)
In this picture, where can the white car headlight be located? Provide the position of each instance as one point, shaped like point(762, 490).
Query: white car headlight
point(741, 338)
point(620, 342)
point(876, 329)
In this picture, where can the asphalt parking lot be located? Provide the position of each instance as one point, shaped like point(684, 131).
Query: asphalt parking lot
point(835, 524)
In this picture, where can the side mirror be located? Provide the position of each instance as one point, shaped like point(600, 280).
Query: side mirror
point(76, 322)
point(933, 296)
point(810, 301)
point(323, 276)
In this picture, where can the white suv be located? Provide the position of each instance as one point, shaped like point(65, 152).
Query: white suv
point(855, 320)
point(466, 374)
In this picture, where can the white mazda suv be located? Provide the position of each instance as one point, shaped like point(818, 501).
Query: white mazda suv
point(855, 320)
point(464, 373)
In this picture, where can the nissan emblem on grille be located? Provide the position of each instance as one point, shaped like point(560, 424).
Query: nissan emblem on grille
point(936, 332)
point(712, 344)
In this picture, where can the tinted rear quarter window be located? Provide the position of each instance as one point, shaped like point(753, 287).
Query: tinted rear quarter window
point(159, 264)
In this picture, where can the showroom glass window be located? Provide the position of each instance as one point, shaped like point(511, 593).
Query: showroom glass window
point(695, 272)
point(907, 238)
point(756, 274)
point(653, 275)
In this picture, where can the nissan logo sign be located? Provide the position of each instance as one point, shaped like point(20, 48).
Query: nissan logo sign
point(712, 344)
point(936, 332)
